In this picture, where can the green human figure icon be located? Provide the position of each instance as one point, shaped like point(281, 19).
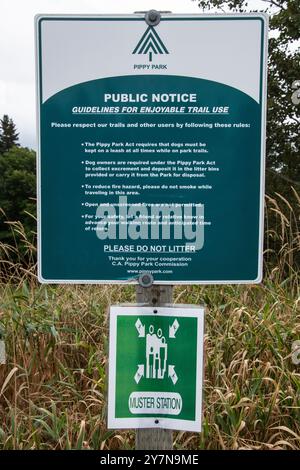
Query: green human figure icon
point(156, 354)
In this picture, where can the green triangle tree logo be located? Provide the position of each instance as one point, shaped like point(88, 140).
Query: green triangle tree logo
point(150, 43)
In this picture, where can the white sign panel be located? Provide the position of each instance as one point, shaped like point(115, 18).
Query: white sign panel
point(151, 148)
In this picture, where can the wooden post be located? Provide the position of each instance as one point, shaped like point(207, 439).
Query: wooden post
point(154, 439)
point(153, 295)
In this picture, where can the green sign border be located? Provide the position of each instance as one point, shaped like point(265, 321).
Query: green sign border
point(160, 422)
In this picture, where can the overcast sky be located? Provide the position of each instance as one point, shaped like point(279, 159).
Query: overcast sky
point(17, 67)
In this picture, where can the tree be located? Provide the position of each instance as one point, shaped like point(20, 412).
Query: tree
point(17, 190)
point(283, 118)
point(8, 134)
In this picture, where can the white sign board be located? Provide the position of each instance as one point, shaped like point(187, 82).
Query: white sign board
point(151, 148)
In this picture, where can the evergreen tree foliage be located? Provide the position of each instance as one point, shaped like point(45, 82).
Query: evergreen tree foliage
point(8, 134)
point(17, 191)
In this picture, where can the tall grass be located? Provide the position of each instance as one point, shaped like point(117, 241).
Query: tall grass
point(53, 387)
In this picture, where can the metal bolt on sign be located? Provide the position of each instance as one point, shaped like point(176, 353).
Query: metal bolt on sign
point(152, 17)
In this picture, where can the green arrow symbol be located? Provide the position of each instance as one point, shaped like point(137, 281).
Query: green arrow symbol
point(139, 373)
point(140, 328)
point(172, 374)
point(173, 329)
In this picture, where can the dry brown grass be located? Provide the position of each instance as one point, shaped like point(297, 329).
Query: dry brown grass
point(53, 387)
